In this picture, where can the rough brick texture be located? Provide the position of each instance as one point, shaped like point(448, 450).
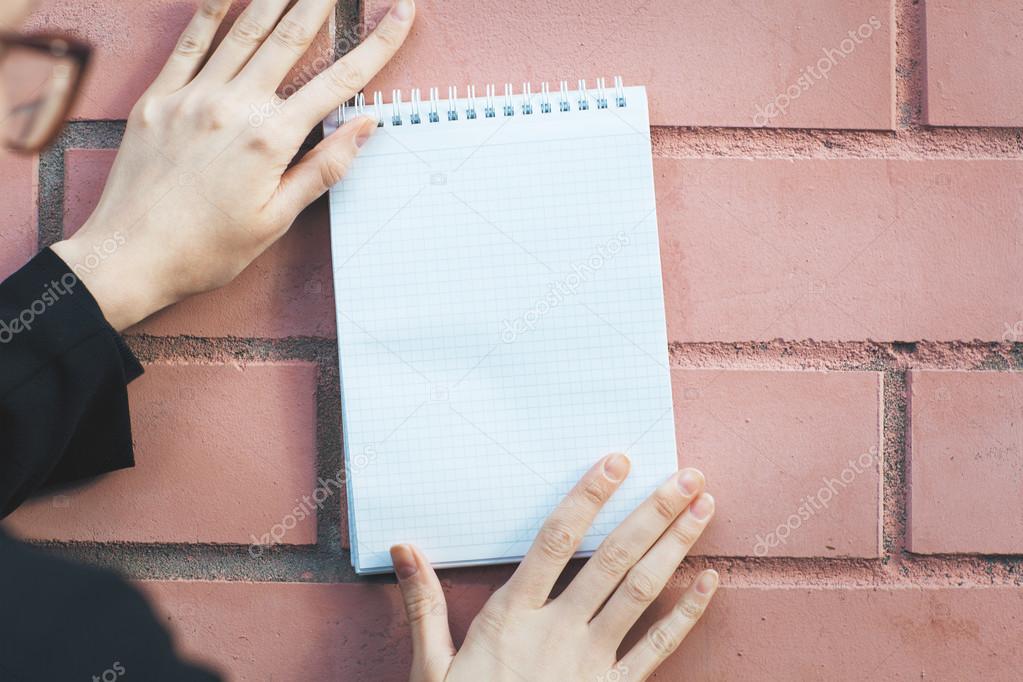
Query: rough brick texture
point(804, 445)
point(223, 453)
point(842, 250)
point(974, 63)
point(706, 64)
point(294, 631)
point(18, 235)
point(966, 462)
point(845, 322)
point(900, 633)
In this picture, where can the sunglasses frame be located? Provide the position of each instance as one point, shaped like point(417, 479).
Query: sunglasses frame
point(57, 46)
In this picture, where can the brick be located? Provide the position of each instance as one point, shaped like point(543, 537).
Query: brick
point(803, 445)
point(966, 462)
point(689, 53)
point(254, 631)
point(289, 631)
point(132, 40)
point(287, 291)
point(852, 634)
point(223, 453)
point(85, 175)
point(974, 63)
point(18, 236)
point(840, 249)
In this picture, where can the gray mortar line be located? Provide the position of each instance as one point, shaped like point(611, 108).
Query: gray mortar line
point(953, 144)
point(910, 62)
point(847, 356)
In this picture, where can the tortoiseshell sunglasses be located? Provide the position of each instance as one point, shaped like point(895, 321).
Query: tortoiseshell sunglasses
point(40, 77)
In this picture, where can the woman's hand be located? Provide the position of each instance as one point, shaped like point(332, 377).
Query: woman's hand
point(202, 184)
point(520, 635)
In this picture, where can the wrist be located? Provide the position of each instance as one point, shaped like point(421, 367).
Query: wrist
point(102, 266)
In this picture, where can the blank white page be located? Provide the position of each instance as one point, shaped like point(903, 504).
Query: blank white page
point(500, 326)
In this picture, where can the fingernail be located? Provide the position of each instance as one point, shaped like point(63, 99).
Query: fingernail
point(690, 481)
point(616, 467)
point(404, 561)
point(703, 507)
point(707, 581)
point(365, 132)
point(402, 10)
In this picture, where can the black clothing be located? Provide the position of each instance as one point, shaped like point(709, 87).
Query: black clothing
point(64, 416)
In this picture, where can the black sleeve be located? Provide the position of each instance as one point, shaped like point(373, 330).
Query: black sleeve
point(63, 383)
point(63, 416)
point(61, 621)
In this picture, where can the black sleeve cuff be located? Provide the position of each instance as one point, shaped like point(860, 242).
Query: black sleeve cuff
point(56, 313)
point(63, 382)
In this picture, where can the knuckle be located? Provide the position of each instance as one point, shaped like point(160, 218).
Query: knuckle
point(421, 603)
point(217, 114)
point(334, 168)
point(292, 34)
point(662, 639)
point(613, 558)
point(640, 587)
point(189, 103)
point(665, 506)
point(344, 78)
point(685, 533)
point(190, 45)
point(689, 609)
point(144, 113)
point(214, 9)
point(260, 141)
point(389, 34)
point(248, 31)
point(594, 493)
point(557, 541)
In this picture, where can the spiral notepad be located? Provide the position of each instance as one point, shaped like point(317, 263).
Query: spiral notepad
point(500, 316)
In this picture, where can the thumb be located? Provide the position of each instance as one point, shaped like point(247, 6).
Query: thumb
point(427, 613)
point(325, 165)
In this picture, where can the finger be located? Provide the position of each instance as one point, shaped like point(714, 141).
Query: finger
point(286, 44)
point(666, 634)
point(324, 166)
point(648, 577)
point(192, 46)
point(247, 33)
point(426, 610)
point(349, 75)
point(630, 541)
point(561, 533)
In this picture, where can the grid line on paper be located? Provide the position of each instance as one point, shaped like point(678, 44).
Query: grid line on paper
point(500, 327)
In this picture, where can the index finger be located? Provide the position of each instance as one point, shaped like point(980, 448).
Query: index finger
point(347, 76)
point(561, 533)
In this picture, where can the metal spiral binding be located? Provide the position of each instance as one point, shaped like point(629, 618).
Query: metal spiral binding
point(415, 116)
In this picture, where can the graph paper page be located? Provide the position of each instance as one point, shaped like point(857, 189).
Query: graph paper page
point(500, 327)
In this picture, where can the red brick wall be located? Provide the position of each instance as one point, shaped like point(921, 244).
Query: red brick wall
point(845, 314)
